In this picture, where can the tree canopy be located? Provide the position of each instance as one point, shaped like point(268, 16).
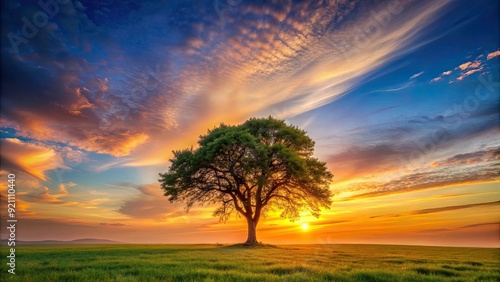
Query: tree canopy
point(258, 166)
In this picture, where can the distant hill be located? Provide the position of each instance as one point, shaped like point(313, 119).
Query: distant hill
point(72, 242)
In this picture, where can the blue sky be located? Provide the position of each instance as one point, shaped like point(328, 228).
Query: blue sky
point(401, 98)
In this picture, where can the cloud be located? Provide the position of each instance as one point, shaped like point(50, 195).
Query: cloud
point(33, 159)
point(44, 195)
point(469, 72)
point(416, 75)
point(381, 110)
point(420, 179)
point(151, 205)
point(469, 158)
point(62, 199)
point(81, 103)
point(441, 76)
point(457, 207)
point(23, 208)
point(465, 66)
point(481, 224)
point(396, 88)
point(443, 209)
point(325, 223)
point(63, 187)
point(362, 161)
point(112, 224)
point(493, 55)
point(453, 195)
point(492, 224)
point(437, 230)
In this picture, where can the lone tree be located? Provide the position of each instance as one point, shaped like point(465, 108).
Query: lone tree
point(258, 166)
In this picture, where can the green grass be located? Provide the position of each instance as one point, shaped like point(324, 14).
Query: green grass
point(236, 263)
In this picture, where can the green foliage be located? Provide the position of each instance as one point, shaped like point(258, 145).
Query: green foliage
point(240, 263)
point(262, 164)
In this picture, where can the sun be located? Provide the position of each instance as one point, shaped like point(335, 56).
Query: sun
point(305, 226)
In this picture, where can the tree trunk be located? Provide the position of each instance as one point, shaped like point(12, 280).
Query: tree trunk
point(252, 232)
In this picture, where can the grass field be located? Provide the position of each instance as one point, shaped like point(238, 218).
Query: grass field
point(232, 263)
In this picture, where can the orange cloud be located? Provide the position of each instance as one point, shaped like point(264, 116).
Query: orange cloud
point(28, 157)
point(23, 208)
point(117, 144)
point(464, 66)
point(469, 72)
point(493, 55)
point(467, 69)
point(46, 197)
point(81, 103)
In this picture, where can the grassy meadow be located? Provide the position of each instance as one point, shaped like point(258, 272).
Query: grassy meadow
point(235, 263)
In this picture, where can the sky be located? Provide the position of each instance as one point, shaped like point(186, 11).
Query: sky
point(401, 98)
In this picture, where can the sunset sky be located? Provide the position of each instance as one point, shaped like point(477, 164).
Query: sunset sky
point(401, 98)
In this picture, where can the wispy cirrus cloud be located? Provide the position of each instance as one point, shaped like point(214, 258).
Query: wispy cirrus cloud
point(416, 75)
point(444, 209)
point(470, 158)
point(112, 224)
point(486, 224)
